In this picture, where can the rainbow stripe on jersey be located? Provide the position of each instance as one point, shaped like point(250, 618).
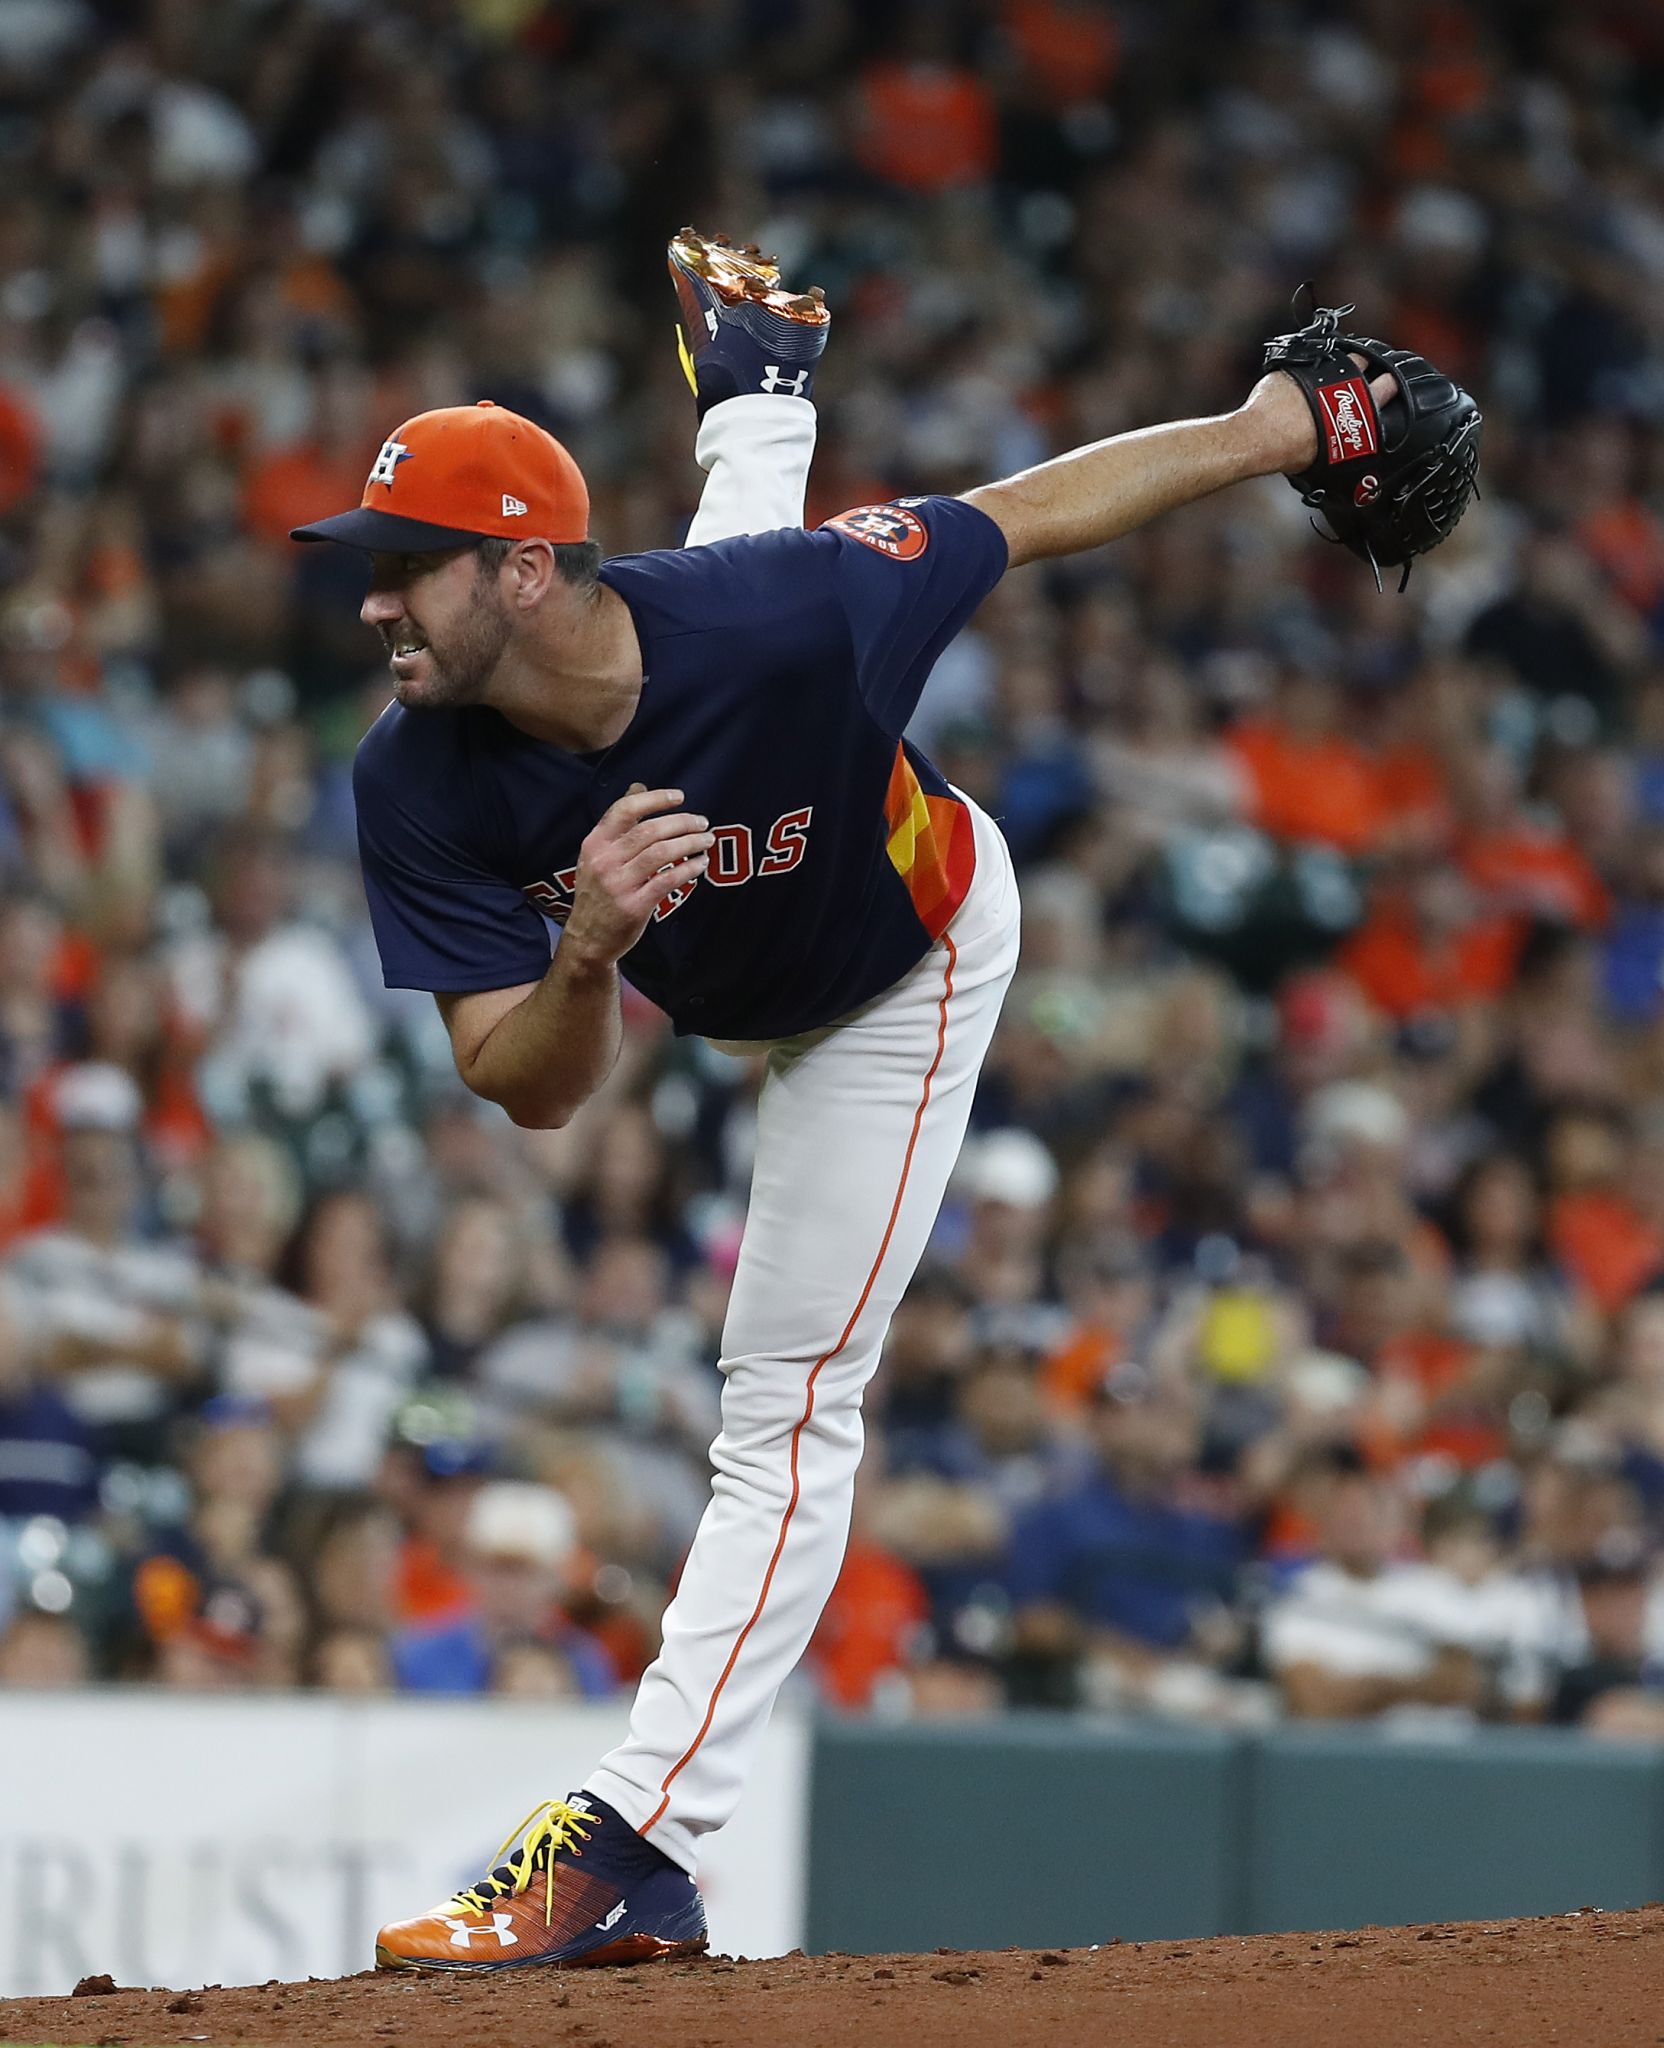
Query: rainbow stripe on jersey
point(929, 841)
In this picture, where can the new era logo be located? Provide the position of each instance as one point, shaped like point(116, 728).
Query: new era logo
point(512, 507)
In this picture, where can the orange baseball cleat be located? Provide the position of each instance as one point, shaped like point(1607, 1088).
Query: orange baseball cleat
point(741, 329)
point(582, 1889)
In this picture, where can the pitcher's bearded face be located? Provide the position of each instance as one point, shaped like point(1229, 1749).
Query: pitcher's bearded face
point(443, 622)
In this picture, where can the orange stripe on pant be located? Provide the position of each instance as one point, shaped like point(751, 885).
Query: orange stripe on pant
point(825, 1358)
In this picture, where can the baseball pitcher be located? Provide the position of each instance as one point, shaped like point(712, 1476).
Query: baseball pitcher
point(693, 761)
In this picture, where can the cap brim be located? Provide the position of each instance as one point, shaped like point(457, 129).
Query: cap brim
point(384, 533)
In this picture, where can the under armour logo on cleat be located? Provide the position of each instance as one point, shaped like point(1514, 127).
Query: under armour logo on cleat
point(792, 386)
point(462, 1932)
point(512, 507)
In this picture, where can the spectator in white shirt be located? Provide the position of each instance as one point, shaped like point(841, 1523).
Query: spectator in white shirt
point(273, 997)
point(112, 1317)
point(337, 1359)
point(1358, 1634)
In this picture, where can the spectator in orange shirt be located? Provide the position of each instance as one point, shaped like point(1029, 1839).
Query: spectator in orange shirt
point(871, 1625)
point(1417, 730)
point(1070, 48)
point(1606, 1218)
point(1111, 1297)
point(287, 487)
point(1434, 1392)
point(1308, 779)
point(434, 1487)
point(1523, 863)
point(1425, 945)
point(1616, 528)
point(924, 121)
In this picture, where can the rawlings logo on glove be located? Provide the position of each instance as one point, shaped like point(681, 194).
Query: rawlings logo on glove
point(1348, 419)
point(1394, 482)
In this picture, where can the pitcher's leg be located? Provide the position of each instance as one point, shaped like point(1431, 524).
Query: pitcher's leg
point(857, 1135)
point(756, 452)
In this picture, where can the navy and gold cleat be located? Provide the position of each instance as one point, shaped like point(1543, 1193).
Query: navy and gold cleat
point(740, 329)
point(581, 1889)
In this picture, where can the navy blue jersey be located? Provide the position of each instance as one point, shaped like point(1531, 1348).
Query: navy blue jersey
point(779, 672)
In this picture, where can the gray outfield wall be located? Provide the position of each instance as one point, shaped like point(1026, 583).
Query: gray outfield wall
point(1034, 1831)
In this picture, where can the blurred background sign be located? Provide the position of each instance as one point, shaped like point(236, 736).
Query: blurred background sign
point(228, 1841)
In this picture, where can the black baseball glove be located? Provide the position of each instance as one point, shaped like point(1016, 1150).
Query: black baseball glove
point(1391, 482)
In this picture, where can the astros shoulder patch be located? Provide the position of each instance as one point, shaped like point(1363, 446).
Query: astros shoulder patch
point(891, 530)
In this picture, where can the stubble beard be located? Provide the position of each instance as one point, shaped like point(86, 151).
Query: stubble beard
point(461, 668)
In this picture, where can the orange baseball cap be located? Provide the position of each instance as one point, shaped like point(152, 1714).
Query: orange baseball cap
point(462, 473)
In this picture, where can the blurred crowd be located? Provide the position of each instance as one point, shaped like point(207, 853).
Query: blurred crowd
point(1293, 1337)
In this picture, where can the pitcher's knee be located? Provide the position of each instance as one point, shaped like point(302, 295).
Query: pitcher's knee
point(775, 1433)
point(761, 1413)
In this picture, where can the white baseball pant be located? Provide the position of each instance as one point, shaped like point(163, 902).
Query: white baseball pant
point(859, 1125)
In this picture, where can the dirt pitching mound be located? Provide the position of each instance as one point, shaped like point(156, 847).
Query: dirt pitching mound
point(1581, 1980)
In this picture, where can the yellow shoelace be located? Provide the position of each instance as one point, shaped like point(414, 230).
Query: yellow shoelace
point(548, 1828)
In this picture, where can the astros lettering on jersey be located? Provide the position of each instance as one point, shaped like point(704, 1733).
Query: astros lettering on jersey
point(780, 672)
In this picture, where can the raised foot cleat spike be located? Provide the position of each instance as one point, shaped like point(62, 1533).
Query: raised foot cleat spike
point(742, 329)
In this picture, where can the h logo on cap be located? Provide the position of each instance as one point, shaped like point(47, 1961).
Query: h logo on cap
point(392, 454)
